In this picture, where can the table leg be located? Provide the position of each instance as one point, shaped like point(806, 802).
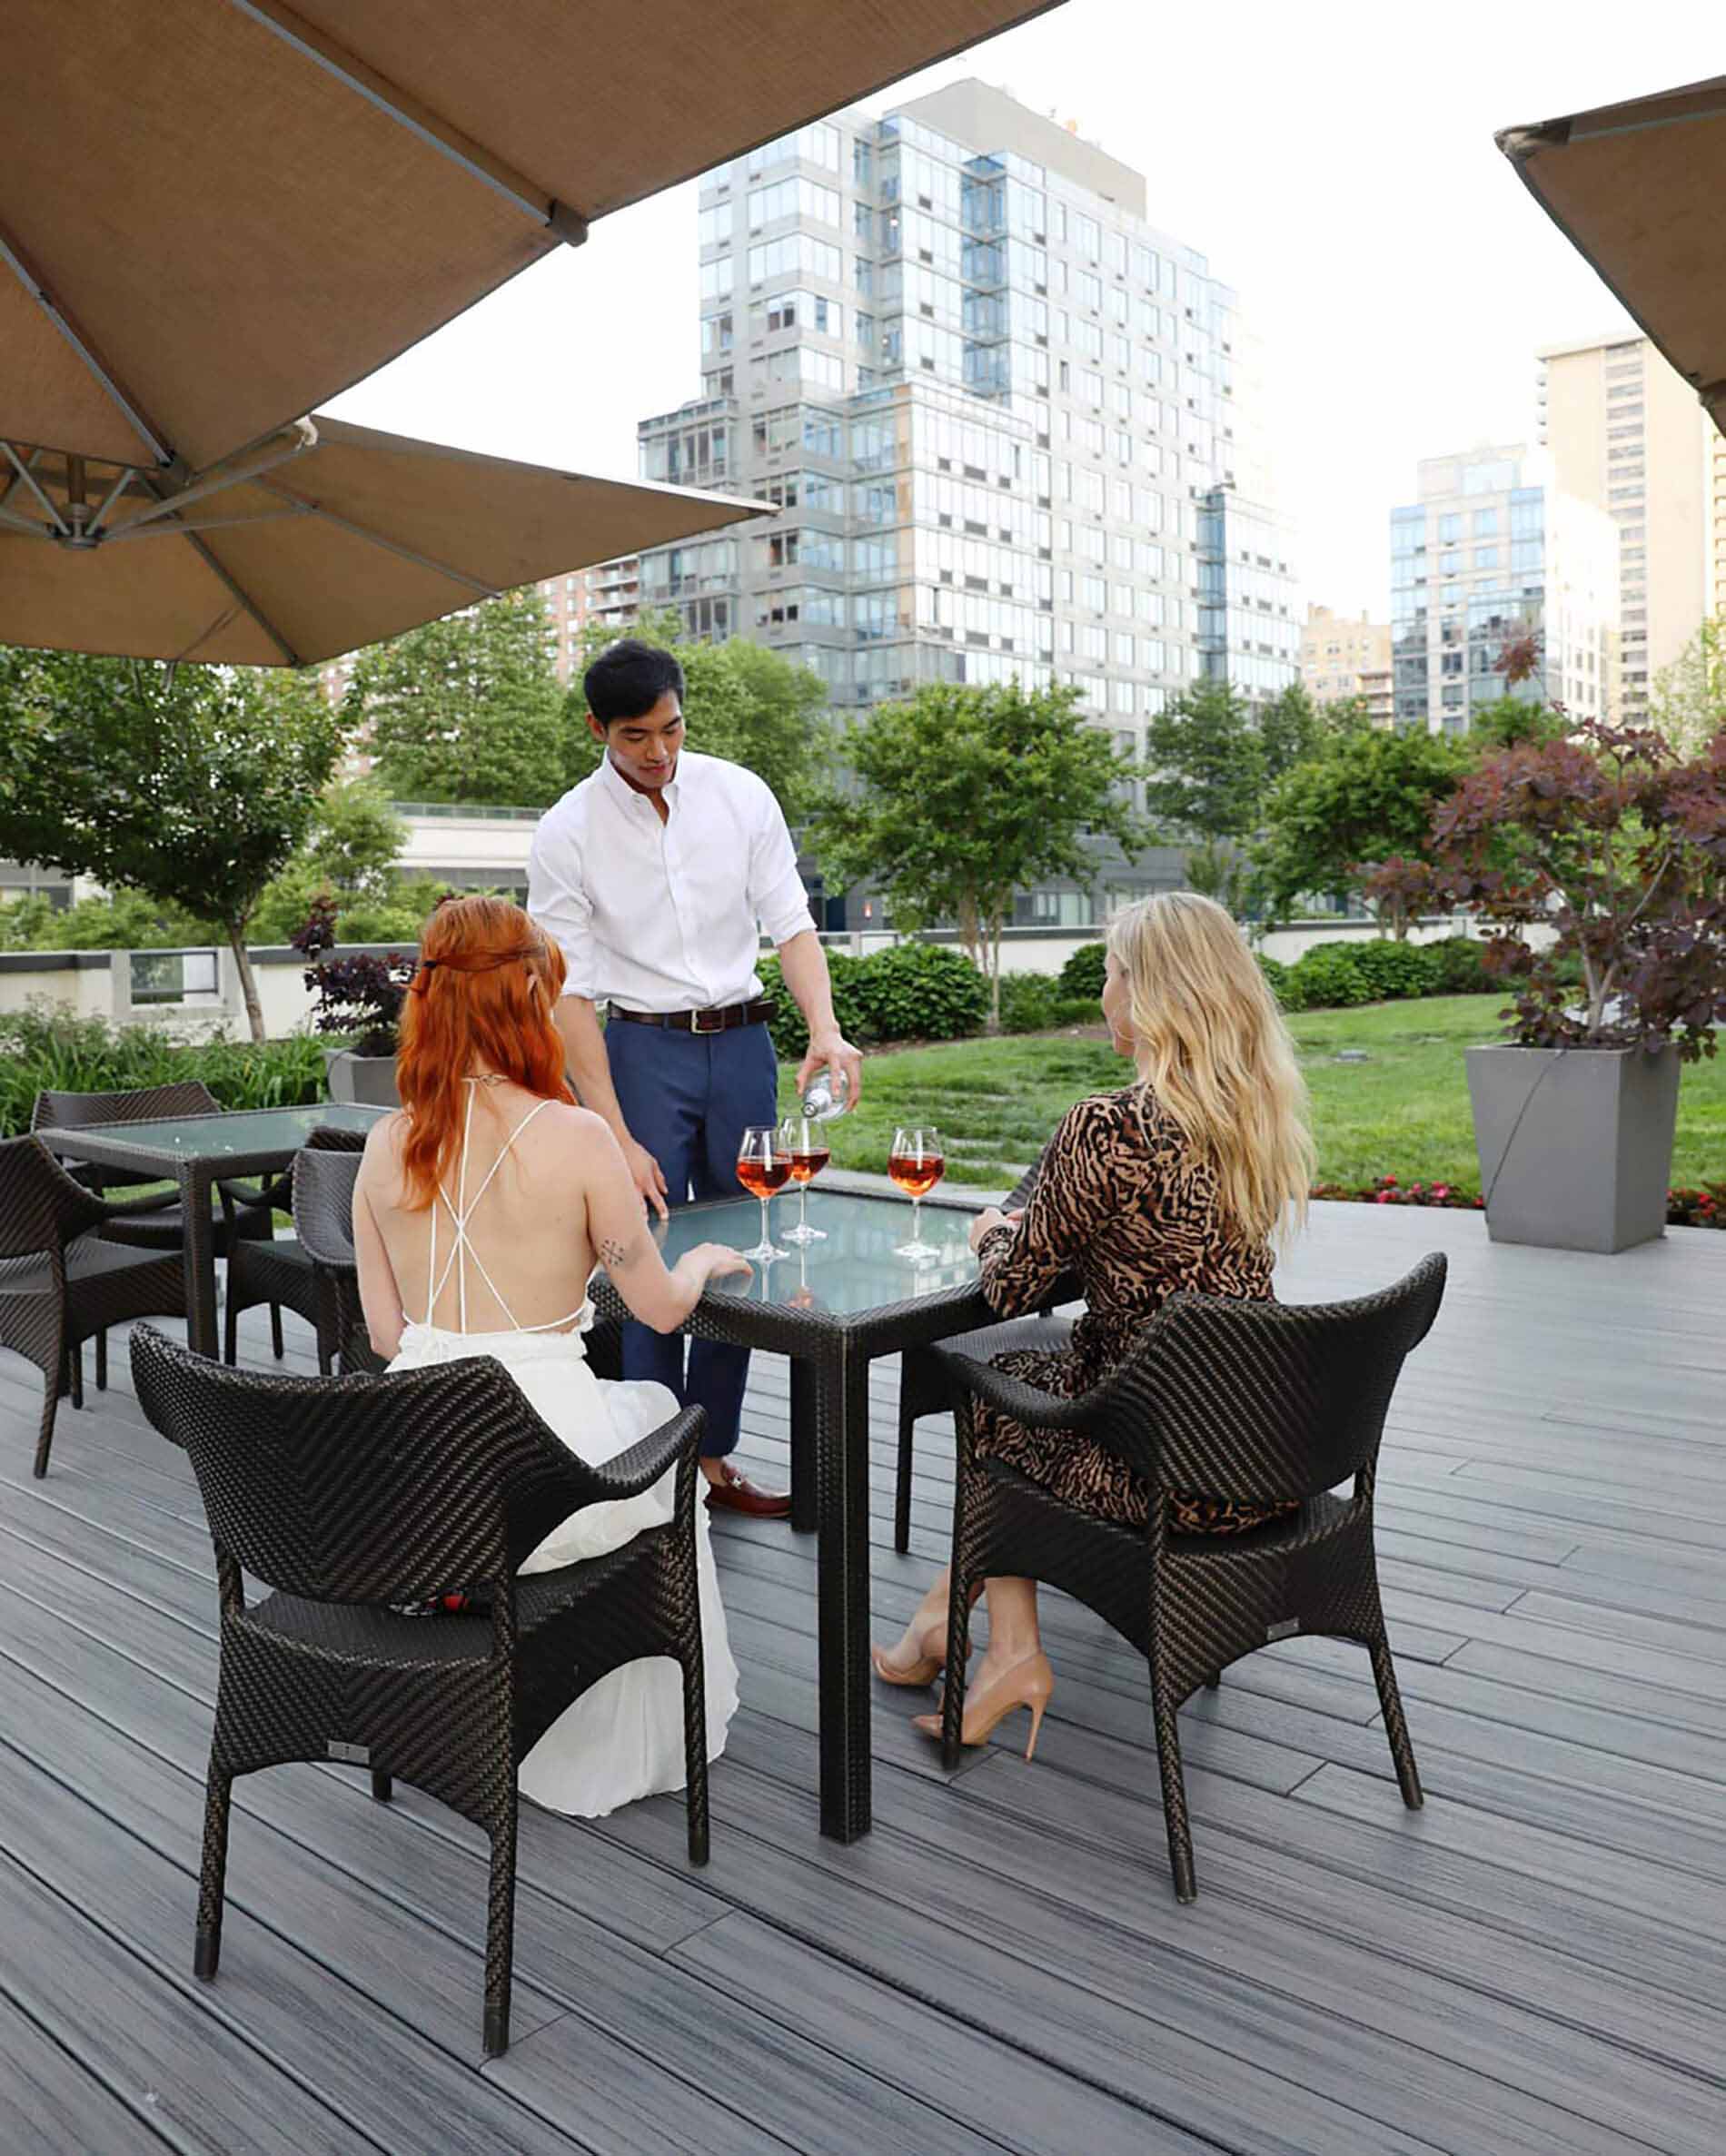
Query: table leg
point(842, 1441)
point(804, 1507)
point(195, 1180)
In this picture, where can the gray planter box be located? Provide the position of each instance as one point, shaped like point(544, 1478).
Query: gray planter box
point(1575, 1144)
point(367, 1079)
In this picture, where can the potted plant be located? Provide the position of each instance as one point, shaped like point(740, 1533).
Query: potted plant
point(361, 999)
point(1599, 863)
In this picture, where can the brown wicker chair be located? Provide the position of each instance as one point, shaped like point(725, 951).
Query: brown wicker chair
point(154, 1220)
point(355, 1499)
point(1252, 1400)
point(61, 1283)
point(926, 1388)
point(280, 1271)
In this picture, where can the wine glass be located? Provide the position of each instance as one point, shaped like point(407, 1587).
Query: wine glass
point(763, 1166)
point(915, 1164)
point(800, 1139)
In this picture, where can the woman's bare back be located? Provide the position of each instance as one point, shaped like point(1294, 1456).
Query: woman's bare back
point(529, 1252)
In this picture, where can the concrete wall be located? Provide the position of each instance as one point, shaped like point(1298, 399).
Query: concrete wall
point(99, 983)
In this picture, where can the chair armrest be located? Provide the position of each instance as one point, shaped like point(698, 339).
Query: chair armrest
point(248, 1197)
point(1096, 1414)
point(120, 1208)
point(638, 1468)
point(1025, 1403)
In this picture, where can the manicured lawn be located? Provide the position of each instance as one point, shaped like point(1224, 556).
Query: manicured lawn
point(1404, 1112)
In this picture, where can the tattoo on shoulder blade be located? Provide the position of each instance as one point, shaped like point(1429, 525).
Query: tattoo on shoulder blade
point(612, 1253)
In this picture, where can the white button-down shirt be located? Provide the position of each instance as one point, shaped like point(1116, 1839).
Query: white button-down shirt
point(663, 916)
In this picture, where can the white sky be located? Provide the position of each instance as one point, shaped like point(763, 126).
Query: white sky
point(1336, 163)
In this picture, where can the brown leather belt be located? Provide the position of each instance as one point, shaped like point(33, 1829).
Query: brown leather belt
point(717, 1020)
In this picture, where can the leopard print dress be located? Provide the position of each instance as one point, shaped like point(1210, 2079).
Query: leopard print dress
point(1122, 1201)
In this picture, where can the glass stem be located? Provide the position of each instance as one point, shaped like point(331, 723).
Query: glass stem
point(916, 1220)
point(765, 1237)
point(802, 1210)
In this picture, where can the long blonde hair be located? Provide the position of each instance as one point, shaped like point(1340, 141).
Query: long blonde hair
point(1214, 1049)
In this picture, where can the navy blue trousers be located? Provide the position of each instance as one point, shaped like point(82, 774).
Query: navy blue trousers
point(689, 1098)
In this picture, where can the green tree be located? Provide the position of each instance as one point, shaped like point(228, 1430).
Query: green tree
point(966, 796)
point(1511, 720)
point(356, 840)
point(1213, 759)
point(742, 701)
point(467, 708)
point(192, 785)
point(124, 921)
point(1368, 795)
point(1204, 764)
point(1687, 701)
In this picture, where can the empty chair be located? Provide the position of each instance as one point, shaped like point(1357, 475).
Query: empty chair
point(61, 1283)
point(1249, 1401)
point(280, 1271)
point(354, 1500)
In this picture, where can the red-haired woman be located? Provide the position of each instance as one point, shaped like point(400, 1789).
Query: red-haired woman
point(482, 1209)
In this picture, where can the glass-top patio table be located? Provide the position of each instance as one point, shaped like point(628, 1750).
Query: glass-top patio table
point(194, 1151)
point(832, 1307)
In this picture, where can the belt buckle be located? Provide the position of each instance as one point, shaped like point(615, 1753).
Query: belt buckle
point(696, 1025)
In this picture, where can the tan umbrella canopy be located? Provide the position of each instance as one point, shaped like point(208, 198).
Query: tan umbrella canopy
point(1637, 189)
point(323, 537)
point(215, 215)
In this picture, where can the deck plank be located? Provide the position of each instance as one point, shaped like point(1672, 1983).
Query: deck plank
point(1536, 1961)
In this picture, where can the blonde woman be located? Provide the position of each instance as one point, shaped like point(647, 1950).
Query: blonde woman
point(1186, 1179)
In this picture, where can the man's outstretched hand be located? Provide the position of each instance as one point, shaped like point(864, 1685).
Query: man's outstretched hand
point(833, 1052)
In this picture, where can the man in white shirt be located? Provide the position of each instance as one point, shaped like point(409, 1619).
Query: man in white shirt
point(652, 877)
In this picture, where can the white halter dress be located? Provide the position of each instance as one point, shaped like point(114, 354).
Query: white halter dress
point(624, 1739)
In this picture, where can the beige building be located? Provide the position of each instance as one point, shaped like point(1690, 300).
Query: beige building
point(1627, 433)
point(1342, 657)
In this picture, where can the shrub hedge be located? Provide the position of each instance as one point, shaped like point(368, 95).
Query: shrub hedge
point(1083, 972)
point(1332, 976)
point(1037, 1002)
point(908, 991)
point(41, 1048)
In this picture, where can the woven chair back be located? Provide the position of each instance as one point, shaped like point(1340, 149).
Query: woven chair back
point(323, 1203)
point(148, 1103)
point(386, 1489)
point(1262, 1400)
point(41, 1207)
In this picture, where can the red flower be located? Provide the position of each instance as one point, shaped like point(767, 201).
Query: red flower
point(1440, 1189)
point(1387, 1182)
point(1382, 1198)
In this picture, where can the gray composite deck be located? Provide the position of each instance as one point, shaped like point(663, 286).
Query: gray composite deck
point(1536, 1962)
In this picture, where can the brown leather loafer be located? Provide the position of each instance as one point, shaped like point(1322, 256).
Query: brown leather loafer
point(736, 1493)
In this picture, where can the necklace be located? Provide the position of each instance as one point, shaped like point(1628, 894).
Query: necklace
point(485, 1078)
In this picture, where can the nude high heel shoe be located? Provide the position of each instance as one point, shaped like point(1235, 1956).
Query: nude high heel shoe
point(1029, 1683)
point(927, 1666)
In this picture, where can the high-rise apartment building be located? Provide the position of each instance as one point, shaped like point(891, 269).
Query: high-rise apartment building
point(996, 406)
point(605, 598)
point(1342, 657)
point(1629, 434)
point(1491, 554)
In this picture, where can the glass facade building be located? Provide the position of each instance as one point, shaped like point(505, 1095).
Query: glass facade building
point(997, 410)
point(1491, 553)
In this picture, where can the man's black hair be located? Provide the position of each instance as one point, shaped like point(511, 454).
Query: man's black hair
point(627, 679)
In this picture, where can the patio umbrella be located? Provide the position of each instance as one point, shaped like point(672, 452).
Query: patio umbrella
point(214, 215)
point(1636, 189)
point(325, 537)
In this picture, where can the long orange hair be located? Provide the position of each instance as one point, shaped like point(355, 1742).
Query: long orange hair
point(487, 982)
